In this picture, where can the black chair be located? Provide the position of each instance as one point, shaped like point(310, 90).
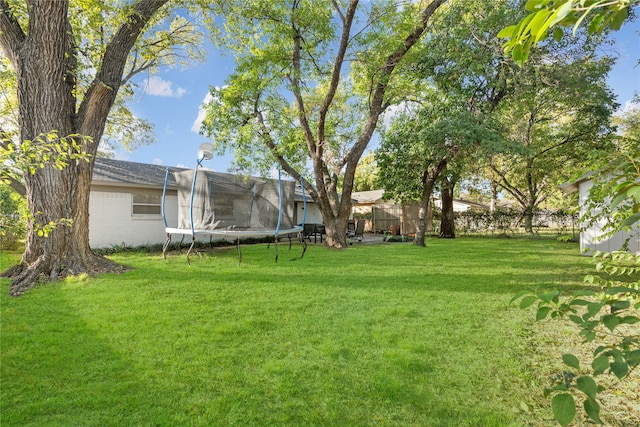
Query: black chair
point(358, 231)
point(313, 230)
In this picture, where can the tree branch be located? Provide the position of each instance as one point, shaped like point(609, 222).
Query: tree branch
point(11, 35)
point(102, 91)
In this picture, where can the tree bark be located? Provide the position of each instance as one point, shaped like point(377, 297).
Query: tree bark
point(428, 182)
point(447, 222)
point(43, 58)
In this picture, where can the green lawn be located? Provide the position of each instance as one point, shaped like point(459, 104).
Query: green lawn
point(376, 335)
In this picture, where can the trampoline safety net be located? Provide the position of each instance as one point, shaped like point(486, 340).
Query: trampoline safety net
point(223, 201)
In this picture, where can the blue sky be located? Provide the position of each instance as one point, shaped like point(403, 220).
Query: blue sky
point(171, 101)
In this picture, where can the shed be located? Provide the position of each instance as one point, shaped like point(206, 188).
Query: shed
point(591, 238)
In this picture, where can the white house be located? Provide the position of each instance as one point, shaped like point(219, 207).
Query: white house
point(125, 204)
point(591, 237)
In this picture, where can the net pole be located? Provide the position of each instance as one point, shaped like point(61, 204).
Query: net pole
point(164, 196)
point(280, 204)
point(304, 202)
point(193, 190)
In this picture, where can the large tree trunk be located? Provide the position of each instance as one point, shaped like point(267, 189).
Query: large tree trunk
point(447, 222)
point(527, 216)
point(428, 181)
point(44, 61)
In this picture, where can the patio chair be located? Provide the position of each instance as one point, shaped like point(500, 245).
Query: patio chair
point(358, 232)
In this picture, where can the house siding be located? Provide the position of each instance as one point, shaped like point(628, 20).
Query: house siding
point(590, 237)
point(112, 223)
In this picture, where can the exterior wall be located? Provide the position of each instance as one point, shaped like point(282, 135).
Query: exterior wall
point(313, 213)
point(590, 237)
point(111, 220)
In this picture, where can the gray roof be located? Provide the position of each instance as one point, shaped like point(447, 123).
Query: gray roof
point(119, 172)
point(122, 173)
point(371, 196)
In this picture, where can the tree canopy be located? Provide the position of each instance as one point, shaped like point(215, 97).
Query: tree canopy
point(310, 83)
point(545, 16)
point(69, 60)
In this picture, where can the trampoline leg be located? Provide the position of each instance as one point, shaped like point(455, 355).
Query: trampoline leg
point(276, 245)
point(193, 242)
point(165, 246)
point(239, 251)
point(304, 245)
point(180, 244)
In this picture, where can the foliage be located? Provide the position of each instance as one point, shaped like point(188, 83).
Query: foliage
point(614, 199)
point(602, 317)
point(366, 177)
point(71, 64)
point(310, 342)
point(545, 15)
point(12, 212)
point(510, 220)
point(45, 149)
point(419, 138)
point(556, 119)
point(310, 83)
point(175, 42)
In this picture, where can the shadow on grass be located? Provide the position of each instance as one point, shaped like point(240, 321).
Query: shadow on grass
point(56, 371)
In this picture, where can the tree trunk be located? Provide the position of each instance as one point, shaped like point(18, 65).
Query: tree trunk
point(43, 61)
point(336, 229)
point(428, 220)
point(528, 219)
point(428, 181)
point(427, 189)
point(494, 196)
point(447, 223)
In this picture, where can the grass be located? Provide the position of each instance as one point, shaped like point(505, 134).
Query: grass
point(376, 335)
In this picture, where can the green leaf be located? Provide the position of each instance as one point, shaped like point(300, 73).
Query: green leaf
point(588, 386)
point(548, 297)
point(620, 368)
point(630, 320)
point(580, 302)
point(564, 408)
point(537, 23)
point(518, 296)
point(507, 32)
point(592, 408)
point(633, 358)
point(571, 360)
point(617, 200)
point(528, 301)
point(593, 308)
point(610, 321)
point(631, 220)
point(620, 305)
point(600, 364)
point(543, 312)
point(618, 18)
point(558, 33)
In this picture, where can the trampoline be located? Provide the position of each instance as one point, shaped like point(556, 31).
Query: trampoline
point(230, 206)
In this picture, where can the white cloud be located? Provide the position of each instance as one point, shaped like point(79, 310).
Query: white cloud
point(157, 87)
point(197, 124)
point(157, 161)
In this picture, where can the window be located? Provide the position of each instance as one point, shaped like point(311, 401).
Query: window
point(147, 204)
